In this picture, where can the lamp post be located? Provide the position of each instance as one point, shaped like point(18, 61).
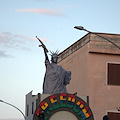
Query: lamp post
point(14, 107)
point(82, 28)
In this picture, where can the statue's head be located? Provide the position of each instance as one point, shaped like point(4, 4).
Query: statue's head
point(54, 57)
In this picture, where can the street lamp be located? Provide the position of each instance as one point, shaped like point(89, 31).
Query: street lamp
point(82, 28)
point(14, 107)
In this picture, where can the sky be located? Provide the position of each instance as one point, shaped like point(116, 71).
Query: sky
point(22, 66)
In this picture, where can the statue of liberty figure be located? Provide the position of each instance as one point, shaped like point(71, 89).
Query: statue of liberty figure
point(56, 78)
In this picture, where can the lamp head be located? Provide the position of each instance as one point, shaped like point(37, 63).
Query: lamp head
point(79, 27)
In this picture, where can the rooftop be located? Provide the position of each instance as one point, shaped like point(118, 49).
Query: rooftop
point(95, 44)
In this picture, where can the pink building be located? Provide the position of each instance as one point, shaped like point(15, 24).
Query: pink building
point(95, 66)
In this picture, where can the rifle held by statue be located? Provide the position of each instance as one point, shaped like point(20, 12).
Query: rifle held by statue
point(42, 45)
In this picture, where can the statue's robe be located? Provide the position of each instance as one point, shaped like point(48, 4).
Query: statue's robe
point(56, 78)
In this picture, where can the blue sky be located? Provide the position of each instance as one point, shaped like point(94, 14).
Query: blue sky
point(22, 61)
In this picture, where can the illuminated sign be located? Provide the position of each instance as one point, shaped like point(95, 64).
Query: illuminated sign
point(64, 102)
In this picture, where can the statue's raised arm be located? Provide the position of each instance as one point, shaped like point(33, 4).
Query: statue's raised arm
point(44, 47)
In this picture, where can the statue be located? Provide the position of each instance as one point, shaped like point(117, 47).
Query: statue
point(56, 78)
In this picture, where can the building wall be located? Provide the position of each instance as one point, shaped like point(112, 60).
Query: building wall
point(31, 104)
point(102, 97)
point(88, 64)
point(78, 65)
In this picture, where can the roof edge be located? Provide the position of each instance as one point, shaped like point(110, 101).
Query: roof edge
point(74, 47)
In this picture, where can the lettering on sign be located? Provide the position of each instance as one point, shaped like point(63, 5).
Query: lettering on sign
point(64, 102)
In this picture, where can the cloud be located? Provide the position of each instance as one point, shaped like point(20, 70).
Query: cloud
point(4, 55)
point(51, 12)
point(42, 39)
point(18, 41)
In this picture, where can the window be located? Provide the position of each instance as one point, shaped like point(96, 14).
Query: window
point(27, 109)
point(113, 74)
point(32, 107)
point(114, 116)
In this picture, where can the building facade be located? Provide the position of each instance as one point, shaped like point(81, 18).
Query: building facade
point(95, 66)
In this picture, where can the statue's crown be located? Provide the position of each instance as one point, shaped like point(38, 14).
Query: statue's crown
point(54, 53)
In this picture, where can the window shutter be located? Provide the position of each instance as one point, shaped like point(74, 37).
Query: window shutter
point(114, 116)
point(113, 74)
